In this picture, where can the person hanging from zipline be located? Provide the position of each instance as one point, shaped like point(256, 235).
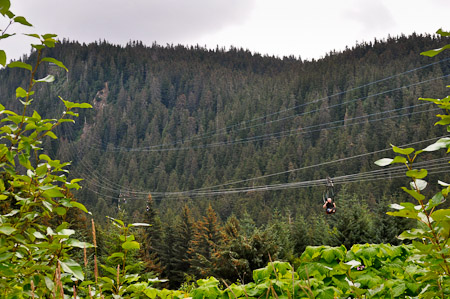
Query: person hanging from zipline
point(328, 195)
point(329, 206)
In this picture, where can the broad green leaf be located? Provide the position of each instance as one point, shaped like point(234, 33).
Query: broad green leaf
point(3, 197)
point(53, 193)
point(418, 174)
point(411, 235)
point(39, 235)
point(22, 20)
point(78, 244)
point(51, 135)
point(79, 206)
point(20, 64)
point(434, 52)
point(399, 159)
point(20, 92)
point(441, 215)
point(405, 213)
point(116, 255)
point(437, 199)
point(118, 221)
point(60, 211)
point(402, 151)
point(443, 33)
point(4, 6)
point(131, 245)
point(7, 230)
point(6, 256)
point(47, 79)
point(70, 105)
point(414, 194)
point(2, 57)
point(55, 61)
point(384, 162)
point(398, 289)
point(70, 266)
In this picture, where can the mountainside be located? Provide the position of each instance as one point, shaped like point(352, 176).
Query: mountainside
point(172, 119)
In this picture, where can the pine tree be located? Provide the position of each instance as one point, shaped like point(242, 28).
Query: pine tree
point(204, 245)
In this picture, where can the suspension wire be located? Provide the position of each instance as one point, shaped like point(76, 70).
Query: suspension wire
point(215, 132)
point(93, 173)
point(317, 165)
point(208, 191)
point(155, 147)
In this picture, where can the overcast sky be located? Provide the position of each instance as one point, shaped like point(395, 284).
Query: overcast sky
point(308, 29)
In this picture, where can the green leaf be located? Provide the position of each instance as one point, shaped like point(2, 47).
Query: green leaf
point(4, 6)
point(70, 105)
point(51, 135)
point(437, 199)
point(49, 283)
point(22, 20)
point(328, 255)
point(20, 64)
point(53, 193)
point(55, 61)
point(443, 33)
point(405, 213)
point(399, 159)
point(78, 244)
point(399, 289)
point(79, 206)
point(399, 150)
point(70, 266)
point(39, 235)
point(441, 215)
point(2, 57)
point(384, 162)
point(418, 174)
point(47, 79)
point(60, 211)
point(7, 230)
point(131, 245)
point(116, 255)
point(434, 52)
point(414, 194)
point(20, 92)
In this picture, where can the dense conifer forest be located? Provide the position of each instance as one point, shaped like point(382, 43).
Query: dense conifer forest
point(225, 152)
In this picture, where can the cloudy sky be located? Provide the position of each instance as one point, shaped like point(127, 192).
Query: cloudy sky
point(308, 29)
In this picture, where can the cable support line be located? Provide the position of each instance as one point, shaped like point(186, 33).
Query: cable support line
point(342, 179)
point(215, 132)
point(92, 172)
point(160, 147)
point(287, 133)
point(305, 184)
point(319, 164)
point(175, 193)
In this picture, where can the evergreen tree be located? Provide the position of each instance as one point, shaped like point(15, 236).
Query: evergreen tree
point(205, 243)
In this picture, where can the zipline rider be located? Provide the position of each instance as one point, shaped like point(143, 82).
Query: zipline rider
point(329, 206)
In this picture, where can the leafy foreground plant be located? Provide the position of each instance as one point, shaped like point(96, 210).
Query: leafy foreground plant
point(35, 195)
point(431, 238)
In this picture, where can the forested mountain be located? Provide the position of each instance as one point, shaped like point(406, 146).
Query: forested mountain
point(190, 137)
